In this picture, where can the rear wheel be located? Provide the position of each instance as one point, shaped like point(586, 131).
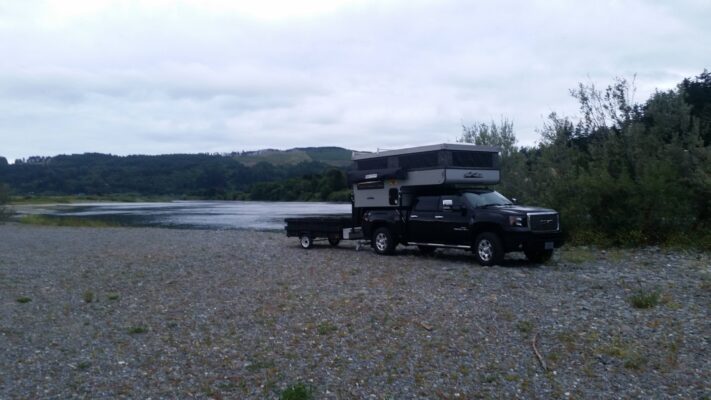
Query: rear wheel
point(306, 241)
point(488, 249)
point(539, 255)
point(383, 241)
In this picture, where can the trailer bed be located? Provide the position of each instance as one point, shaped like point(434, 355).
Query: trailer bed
point(332, 227)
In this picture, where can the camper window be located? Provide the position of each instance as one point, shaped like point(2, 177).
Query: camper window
point(474, 159)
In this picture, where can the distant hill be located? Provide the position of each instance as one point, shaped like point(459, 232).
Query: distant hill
point(333, 156)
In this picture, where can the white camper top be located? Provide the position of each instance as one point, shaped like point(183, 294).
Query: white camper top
point(421, 149)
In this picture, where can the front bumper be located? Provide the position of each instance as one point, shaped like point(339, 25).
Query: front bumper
point(520, 239)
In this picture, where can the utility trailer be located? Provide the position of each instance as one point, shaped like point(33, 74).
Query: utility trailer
point(432, 197)
point(333, 228)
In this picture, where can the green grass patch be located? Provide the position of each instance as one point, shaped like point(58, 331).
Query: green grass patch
point(47, 220)
point(645, 298)
point(88, 296)
point(123, 198)
point(524, 326)
point(577, 255)
point(326, 328)
point(298, 391)
point(137, 330)
point(112, 296)
point(259, 365)
point(23, 299)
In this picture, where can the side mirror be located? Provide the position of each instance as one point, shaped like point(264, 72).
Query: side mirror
point(514, 200)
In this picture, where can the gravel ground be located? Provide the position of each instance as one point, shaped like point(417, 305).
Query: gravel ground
point(160, 313)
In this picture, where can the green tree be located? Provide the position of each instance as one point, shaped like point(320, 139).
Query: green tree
point(513, 161)
point(5, 212)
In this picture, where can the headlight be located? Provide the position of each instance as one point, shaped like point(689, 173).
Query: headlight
point(517, 220)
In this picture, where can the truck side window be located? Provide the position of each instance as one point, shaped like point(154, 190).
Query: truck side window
point(450, 203)
point(427, 203)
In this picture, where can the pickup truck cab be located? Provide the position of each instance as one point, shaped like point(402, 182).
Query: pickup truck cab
point(480, 220)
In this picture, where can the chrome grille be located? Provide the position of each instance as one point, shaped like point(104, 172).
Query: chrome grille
point(547, 222)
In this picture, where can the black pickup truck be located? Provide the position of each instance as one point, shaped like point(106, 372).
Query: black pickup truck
point(480, 220)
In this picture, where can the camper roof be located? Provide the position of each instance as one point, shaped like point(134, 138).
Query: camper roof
point(421, 149)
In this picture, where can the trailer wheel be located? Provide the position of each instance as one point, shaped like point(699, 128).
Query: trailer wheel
point(488, 249)
point(306, 241)
point(383, 241)
point(333, 240)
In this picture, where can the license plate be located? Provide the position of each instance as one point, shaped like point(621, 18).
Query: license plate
point(549, 246)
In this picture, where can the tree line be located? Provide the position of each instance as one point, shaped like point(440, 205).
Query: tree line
point(619, 172)
point(207, 176)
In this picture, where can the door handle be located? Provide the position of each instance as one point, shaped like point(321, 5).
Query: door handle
point(438, 217)
point(413, 216)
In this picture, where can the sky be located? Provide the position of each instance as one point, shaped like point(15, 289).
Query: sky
point(156, 77)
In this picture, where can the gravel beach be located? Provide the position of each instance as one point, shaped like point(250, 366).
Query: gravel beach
point(161, 313)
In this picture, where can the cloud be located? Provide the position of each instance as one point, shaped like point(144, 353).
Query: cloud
point(163, 76)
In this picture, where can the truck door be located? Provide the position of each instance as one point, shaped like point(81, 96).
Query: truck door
point(422, 224)
point(454, 222)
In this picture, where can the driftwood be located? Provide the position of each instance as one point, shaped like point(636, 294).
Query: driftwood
point(535, 350)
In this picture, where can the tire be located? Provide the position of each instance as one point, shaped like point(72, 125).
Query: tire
point(306, 241)
point(488, 249)
point(334, 241)
point(538, 256)
point(383, 242)
point(427, 250)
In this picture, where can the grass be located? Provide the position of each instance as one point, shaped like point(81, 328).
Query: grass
point(524, 326)
point(645, 298)
point(260, 365)
point(88, 296)
point(136, 330)
point(112, 296)
point(577, 255)
point(630, 356)
point(326, 328)
point(124, 198)
point(46, 220)
point(23, 299)
point(298, 391)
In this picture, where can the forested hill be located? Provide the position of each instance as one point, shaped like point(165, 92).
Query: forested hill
point(227, 176)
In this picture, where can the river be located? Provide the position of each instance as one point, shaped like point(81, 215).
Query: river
point(192, 214)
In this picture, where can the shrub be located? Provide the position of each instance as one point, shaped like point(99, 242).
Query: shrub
point(644, 298)
point(298, 391)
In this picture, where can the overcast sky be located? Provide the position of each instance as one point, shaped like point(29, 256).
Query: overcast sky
point(152, 77)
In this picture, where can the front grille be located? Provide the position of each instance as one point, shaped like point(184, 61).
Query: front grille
point(543, 222)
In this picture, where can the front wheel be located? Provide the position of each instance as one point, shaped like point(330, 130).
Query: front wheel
point(538, 256)
point(306, 241)
point(383, 241)
point(488, 249)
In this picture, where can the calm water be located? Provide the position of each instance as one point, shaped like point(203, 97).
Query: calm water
point(194, 214)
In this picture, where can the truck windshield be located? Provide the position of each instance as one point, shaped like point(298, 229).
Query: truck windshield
point(487, 199)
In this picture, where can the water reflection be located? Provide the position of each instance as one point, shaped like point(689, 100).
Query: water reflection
point(194, 214)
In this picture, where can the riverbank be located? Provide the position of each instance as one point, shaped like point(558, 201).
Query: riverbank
point(142, 312)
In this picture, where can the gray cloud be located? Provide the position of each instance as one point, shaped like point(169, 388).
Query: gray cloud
point(186, 78)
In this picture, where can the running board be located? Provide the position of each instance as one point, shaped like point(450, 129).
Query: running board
point(454, 246)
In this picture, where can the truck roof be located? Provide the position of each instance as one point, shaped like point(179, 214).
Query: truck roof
point(421, 149)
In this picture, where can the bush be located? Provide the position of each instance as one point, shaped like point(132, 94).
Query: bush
point(5, 211)
point(644, 299)
point(297, 392)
